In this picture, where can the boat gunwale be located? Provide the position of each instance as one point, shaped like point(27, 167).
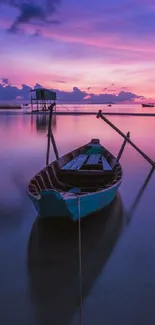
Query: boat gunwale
point(72, 196)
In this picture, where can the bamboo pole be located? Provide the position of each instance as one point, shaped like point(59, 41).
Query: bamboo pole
point(122, 148)
point(51, 137)
point(54, 146)
point(100, 115)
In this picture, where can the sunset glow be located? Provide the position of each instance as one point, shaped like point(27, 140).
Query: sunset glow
point(107, 46)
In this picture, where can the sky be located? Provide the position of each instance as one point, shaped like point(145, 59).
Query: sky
point(97, 47)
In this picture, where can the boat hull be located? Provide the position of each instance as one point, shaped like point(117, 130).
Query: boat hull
point(54, 204)
point(147, 105)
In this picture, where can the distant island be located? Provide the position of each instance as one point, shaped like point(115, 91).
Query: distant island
point(15, 95)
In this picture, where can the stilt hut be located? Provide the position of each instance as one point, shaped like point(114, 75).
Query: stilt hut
point(41, 98)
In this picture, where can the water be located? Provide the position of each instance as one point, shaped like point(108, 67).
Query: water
point(39, 259)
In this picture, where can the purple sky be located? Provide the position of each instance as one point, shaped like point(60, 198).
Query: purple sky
point(62, 44)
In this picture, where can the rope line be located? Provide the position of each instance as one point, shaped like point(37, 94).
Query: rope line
point(80, 262)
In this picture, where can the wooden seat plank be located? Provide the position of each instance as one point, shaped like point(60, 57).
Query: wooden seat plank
point(69, 164)
point(93, 159)
point(105, 164)
point(79, 162)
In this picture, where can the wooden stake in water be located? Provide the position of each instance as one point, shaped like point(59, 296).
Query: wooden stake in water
point(122, 148)
point(51, 136)
point(100, 115)
point(80, 260)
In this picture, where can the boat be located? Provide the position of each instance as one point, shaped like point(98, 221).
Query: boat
point(52, 260)
point(148, 105)
point(77, 184)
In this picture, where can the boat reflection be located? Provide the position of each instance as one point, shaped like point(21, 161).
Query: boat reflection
point(53, 260)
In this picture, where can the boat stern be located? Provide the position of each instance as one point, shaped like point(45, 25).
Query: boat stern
point(52, 204)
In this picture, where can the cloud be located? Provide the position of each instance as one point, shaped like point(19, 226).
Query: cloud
point(76, 95)
point(120, 97)
point(11, 92)
point(33, 11)
point(60, 81)
point(28, 12)
point(5, 81)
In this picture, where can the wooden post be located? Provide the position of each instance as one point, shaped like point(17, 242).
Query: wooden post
point(31, 104)
point(54, 146)
point(122, 148)
point(100, 115)
point(51, 137)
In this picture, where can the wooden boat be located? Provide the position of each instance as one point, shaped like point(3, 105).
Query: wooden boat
point(148, 105)
point(88, 176)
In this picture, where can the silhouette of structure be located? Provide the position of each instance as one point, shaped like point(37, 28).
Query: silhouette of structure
point(41, 98)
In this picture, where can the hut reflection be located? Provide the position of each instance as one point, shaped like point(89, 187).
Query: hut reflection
point(42, 121)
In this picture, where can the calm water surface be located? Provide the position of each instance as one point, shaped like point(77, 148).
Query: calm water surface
point(39, 259)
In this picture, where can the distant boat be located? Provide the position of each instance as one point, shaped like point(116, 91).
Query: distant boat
point(109, 105)
point(89, 173)
point(148, 105)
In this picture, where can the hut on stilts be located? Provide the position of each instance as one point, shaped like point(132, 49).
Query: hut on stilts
point(41, 98)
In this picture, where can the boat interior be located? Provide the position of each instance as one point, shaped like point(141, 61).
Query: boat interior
point(86, 169)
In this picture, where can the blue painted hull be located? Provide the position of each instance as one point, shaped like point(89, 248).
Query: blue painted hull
point(54, 204)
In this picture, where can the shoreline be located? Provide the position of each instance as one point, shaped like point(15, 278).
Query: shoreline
point(16, 111)
point(6, 107)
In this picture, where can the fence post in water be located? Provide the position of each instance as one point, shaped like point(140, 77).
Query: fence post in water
point(54, 146)
point(50, 136)
point(100, 115)
point(122, 148)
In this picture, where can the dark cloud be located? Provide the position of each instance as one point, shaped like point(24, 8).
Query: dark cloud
point(5, 81)
point(29, 12)
point(121, 97)
point(10, 92)
point(75, 95)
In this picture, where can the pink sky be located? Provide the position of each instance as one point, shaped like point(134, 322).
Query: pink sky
point(84, 45)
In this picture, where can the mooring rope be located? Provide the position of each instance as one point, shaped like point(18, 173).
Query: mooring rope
point(80, 262)
point(64, 107)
